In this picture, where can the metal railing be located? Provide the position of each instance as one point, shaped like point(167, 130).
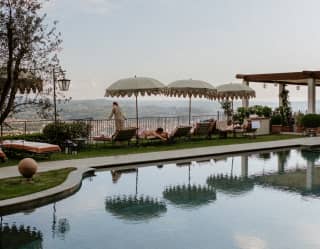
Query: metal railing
point(104, 126)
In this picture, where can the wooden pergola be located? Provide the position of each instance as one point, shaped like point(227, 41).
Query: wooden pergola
point(303, 78)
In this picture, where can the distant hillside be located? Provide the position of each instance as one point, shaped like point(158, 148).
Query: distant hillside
point(100, 108)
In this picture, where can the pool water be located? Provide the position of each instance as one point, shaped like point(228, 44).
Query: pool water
point(259, 201)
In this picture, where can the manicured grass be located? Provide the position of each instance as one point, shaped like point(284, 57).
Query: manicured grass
point(112, 150)
point(18, 186)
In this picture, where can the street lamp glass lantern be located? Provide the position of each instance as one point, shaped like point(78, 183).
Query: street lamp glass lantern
point(64, 84)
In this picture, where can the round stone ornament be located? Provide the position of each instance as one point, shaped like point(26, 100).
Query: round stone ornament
point(28, 167)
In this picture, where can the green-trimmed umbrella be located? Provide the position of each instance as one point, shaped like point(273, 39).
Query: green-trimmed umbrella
point(14, 237)
point(134, 207)
point(188, 196)
point(134, 87)
point(191, 88)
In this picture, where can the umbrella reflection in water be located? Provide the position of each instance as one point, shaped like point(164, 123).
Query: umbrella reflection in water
point(59, 227)
point(17, 237)
point(189, 196)
point(134, 207)
point(230, 184)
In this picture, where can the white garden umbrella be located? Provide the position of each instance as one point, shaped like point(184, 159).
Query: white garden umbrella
point(134, 87)
point(234, 91)
point(26, 82)
point(191, 88)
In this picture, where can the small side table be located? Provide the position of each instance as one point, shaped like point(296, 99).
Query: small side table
point(80, 141)
point(70, 147)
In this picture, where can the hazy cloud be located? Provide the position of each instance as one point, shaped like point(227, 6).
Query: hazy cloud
point(100, 6)
point(249, 242)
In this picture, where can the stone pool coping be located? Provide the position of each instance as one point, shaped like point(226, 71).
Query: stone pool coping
point(89, 165)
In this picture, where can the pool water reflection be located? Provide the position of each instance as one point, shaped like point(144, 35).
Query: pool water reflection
point(259, 201)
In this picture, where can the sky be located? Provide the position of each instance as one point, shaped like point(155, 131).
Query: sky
point(210, 40)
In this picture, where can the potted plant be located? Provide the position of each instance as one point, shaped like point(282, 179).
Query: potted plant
point(311, 122)
point(298, 122)
point(286, 112)
point(276, 125)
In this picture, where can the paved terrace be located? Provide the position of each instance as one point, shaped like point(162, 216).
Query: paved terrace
point(83, 166)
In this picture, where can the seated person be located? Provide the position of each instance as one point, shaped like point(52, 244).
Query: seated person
point(230, 126)
point(159, 133)
point(247, 124)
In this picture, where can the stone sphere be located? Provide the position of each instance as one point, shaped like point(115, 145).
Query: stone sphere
point(27, 167)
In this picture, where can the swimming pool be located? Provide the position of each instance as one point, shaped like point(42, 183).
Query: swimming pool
point(258, 201)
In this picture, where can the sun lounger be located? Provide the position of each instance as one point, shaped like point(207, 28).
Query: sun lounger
point(3, 156)
point(30, 147)
point(224, 129)
point(124, 135)
point(203, 129)
point(180, 132)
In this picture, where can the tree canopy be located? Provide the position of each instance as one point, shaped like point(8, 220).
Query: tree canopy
point(28, 50)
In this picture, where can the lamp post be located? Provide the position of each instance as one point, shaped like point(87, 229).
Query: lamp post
point(63, 84)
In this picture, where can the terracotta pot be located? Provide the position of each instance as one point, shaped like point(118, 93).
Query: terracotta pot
point(28, 167)
point(299, 128)
point(286, 129)
point(276, 129)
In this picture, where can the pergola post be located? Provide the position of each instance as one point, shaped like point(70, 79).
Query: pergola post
point(311, 95)
point(310, 175)
point(245, 101)
point(281, 89)
point(244, 166)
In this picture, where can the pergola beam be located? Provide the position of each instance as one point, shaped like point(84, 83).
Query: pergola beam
point(308, 78)
point(283, 77)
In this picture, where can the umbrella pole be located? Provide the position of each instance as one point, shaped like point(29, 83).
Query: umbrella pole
point(189, 175)
point(232, 167)
point(190, 109)
point(232, 111)
point(137, 119)
point(137, 175)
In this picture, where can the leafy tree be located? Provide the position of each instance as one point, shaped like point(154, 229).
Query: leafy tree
point(285, 109)
point(28, 51)
point(227, 108)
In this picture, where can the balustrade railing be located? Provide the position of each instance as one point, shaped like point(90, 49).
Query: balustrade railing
point(104, 126)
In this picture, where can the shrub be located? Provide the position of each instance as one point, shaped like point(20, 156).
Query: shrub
point(37, 137)
point(266, 111)
point(60, 132)
point(257, 109)
point(79, 129)
point(56, 133)
point(276, 119)
point(311, 121)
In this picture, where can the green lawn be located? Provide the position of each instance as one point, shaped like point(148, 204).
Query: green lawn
point(18, 186)
point(111, 150)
